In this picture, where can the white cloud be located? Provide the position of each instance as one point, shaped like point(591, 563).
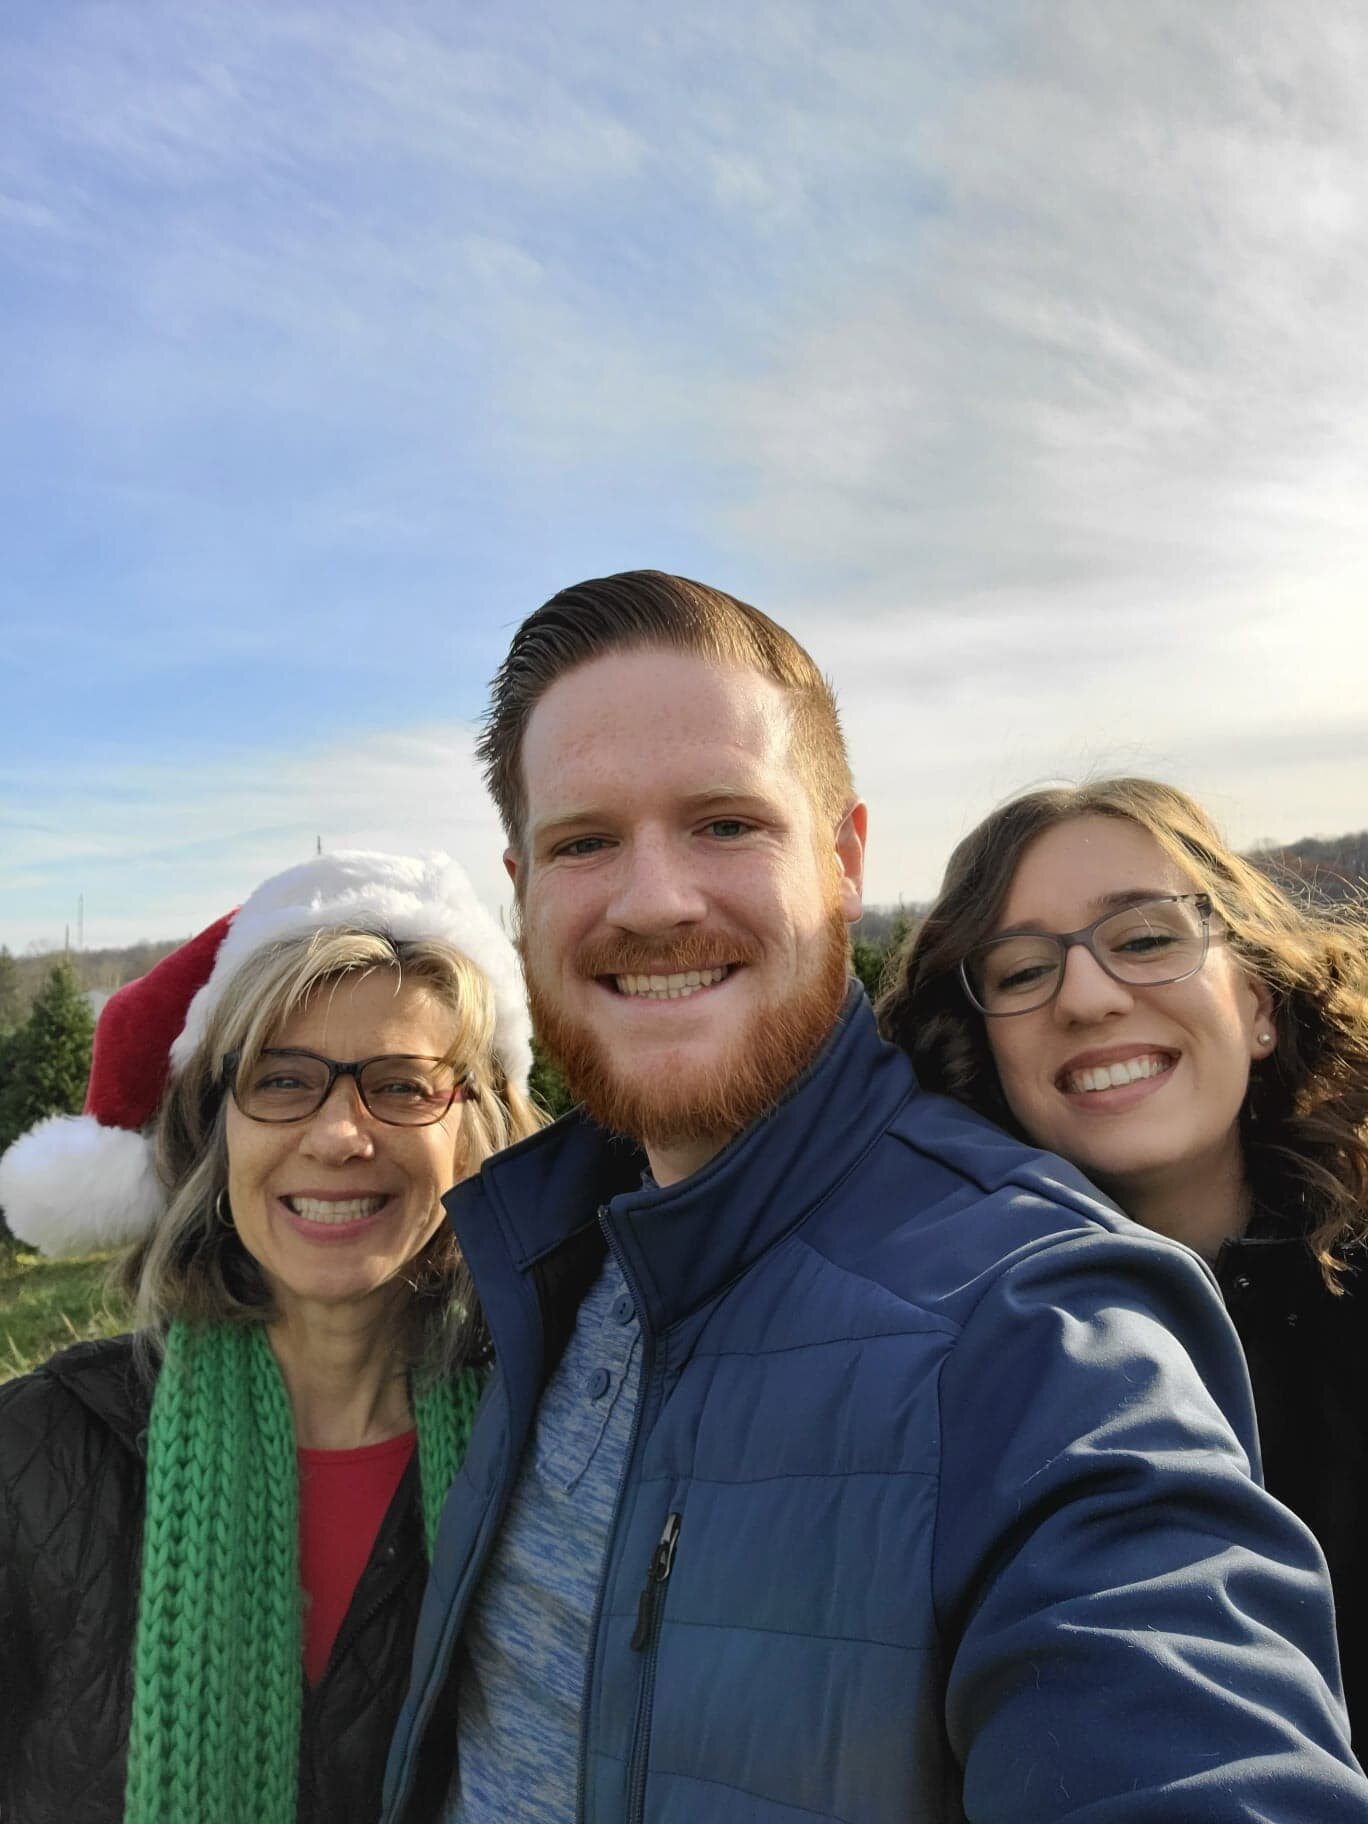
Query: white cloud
point(1014, 356)
point(1079, 461)
point(159, 851)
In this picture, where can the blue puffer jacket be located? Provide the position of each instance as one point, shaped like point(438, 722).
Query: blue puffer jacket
point(937, 1504)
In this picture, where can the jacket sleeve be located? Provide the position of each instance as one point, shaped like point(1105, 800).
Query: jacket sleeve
point(16, 1669)
point(1134, 1631)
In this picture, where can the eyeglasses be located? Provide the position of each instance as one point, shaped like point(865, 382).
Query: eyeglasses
point(1150, 943)
point(292, 1085)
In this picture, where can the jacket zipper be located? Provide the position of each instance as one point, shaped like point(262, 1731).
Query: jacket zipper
point(644, 1639)
point(647, 1368)
point(341, 1644)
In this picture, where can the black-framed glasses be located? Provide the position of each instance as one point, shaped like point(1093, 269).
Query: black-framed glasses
point(287, 1085)
point(1153, 942)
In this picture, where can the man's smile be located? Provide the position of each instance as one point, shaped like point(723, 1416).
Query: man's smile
point(673, 987)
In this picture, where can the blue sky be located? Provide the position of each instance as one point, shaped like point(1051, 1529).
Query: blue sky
point(1011, 353)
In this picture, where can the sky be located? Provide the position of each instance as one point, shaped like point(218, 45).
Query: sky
point(1013, 355)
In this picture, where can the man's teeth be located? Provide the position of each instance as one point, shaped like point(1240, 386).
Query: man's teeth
point(332, 1209)
point(669, 987)
point(1112, 1076)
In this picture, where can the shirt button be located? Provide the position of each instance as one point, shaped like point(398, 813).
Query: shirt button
point(598, 1383)
point(623, 1308)
point(1242, 1282)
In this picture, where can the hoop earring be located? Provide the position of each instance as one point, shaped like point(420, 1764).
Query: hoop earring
point(219, 1202)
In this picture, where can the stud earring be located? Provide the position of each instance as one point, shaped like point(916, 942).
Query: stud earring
point(1265, 1038)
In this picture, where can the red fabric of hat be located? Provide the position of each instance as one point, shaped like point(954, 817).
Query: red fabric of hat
point(75, 1183)
point(79, 1182)
point(132, 1055)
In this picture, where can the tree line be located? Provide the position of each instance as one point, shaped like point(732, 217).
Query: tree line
point(46, 1025)
point(100, 970)
point(44, 1054)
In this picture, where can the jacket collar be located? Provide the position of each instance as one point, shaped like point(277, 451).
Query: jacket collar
point(682, 1244)
point(111, 1381)
point(1281, 1261)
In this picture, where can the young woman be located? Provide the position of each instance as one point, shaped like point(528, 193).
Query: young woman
point(1103, 975)
point(213, 1534)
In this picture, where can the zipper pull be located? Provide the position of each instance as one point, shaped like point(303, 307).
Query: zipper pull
point(657, 1576)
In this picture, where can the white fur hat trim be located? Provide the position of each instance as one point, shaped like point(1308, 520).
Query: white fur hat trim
point(70, 1186)
point(398, 895)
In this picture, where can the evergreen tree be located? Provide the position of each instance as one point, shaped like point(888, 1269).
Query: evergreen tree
point(547, 1085)
point(9, 991)
point(8, 1044)
point(867, 960)
point(903, 927)
point(873, 958)
point(48, 1061)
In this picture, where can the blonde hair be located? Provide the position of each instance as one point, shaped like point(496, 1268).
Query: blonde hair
point(1304, 1123)
point(192, 1266)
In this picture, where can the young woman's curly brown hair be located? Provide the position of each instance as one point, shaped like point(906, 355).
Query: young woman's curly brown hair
point(1304, 1122)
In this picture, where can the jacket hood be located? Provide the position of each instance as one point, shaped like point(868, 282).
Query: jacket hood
point(111, 1382)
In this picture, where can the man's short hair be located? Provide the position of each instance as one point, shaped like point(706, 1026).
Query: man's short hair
point(639, 608)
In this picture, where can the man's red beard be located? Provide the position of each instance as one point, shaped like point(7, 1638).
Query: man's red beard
point(773, 1047)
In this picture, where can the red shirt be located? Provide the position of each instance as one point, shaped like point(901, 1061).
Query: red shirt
point(343, 1497)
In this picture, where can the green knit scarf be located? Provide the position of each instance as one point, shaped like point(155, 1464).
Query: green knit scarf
point(218, 1663)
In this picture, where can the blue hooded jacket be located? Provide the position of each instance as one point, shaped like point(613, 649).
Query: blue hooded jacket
point(938, 1503)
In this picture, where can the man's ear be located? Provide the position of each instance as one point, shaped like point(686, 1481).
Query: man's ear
point(850, 852)
point(511, 864)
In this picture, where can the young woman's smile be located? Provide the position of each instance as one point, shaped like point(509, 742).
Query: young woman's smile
point(1105, 1076)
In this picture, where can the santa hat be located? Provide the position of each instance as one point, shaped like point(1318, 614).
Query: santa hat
point(80, 1182)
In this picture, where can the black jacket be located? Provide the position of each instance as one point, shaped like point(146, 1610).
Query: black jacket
point(1308, 1362)
point(72, 1440)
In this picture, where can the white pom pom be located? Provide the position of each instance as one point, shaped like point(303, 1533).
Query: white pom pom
point(70, 1186)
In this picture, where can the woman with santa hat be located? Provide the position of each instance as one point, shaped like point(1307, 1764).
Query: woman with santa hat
point(214, 1532)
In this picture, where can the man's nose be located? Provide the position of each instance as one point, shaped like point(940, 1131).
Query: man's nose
point(341, 1129)
point(656, 888)
point(1087, 992)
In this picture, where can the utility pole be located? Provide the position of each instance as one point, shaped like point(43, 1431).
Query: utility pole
point(80, 921)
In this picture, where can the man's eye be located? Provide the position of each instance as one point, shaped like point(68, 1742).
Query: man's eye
point(583, 845)
point(727, 828)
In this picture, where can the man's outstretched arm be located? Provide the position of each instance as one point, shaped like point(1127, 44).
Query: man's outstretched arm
point(1134, 1630)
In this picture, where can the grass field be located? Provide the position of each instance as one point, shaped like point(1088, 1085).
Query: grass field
point(46, 1304)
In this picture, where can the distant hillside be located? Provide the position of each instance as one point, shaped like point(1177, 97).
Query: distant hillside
point(104, 970)
point(882, 924)
point(1333, 869)
point(1330, 869)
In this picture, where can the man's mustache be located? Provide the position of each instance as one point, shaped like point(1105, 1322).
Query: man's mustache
point(627, 955)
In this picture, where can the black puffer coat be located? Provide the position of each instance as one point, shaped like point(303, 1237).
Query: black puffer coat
point(72, 1437)
point(1308, 1363)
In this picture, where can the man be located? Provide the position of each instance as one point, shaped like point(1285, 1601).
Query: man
point(843, 1458)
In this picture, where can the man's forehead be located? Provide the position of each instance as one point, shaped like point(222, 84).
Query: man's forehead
point(648, 705)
